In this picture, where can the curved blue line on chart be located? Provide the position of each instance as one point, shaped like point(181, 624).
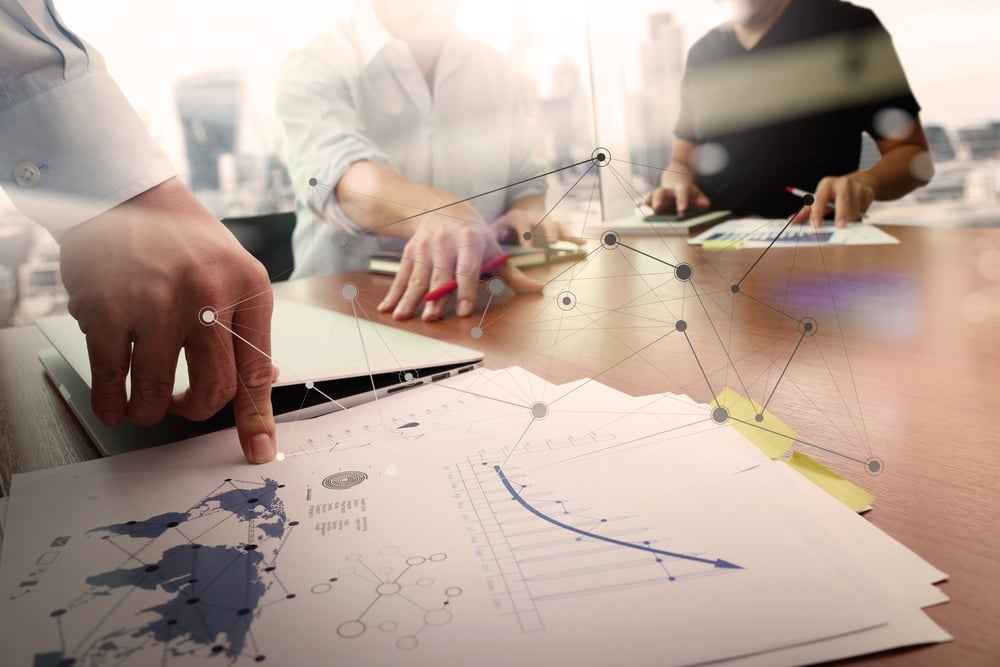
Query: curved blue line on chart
point(631, 545)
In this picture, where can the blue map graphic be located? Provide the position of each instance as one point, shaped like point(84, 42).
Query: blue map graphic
point(213, 585)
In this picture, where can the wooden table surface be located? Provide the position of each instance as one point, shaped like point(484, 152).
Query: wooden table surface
point(900, 364)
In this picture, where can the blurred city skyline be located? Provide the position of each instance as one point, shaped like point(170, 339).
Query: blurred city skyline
point(949, 50)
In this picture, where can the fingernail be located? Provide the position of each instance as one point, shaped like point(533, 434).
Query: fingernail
point(261, 448)
point(463, 308)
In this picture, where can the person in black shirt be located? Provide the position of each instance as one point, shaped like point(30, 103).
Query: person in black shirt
point(778, 98)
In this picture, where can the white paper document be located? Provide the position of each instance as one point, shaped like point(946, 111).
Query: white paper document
point(489, 519)
point(762, 233)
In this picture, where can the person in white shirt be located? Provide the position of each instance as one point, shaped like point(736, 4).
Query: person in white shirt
point(401, 131)
point(142, 260)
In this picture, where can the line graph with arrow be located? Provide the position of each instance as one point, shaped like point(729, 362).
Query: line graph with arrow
point(537, 547)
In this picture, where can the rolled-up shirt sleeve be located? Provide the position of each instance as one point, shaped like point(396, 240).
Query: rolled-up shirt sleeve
point(323, 130)
point(71, 145)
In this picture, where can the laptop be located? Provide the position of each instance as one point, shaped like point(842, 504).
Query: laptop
point(329, 361)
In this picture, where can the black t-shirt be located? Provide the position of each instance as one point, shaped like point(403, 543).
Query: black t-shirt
point(791, 110)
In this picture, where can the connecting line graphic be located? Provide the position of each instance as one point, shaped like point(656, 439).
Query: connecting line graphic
point(209, 594)
point(769, 246)
point(518, 441)
point(682, 271)
point(682, 327)
point(528, 235)
point(495, 286)
point(807, 330)
point(350, 293)
point(873, 465)
point(652, 257)
point(375, 230)
point(736, 290)
point(613, 366)
point(725, 349)
point(619, 445)
point(718, 562)
point(209, 317)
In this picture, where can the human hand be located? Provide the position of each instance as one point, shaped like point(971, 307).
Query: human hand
point(444, 247)
point(851, 195)
point(156, 274)
point(530, 227)
point(676, 193)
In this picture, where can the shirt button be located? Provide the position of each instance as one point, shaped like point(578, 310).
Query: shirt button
point(27, 174)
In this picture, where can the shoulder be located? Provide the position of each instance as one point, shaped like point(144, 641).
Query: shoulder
point(717, 44)
point(831, 16)
point(337, 50)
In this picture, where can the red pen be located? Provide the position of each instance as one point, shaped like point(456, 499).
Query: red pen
point(798, 192)
point(452, 284)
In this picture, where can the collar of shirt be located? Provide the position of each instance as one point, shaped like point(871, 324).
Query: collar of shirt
point(372, 35)
point(374, 38)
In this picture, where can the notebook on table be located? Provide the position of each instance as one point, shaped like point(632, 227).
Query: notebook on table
point(387, 262)
point(667, 223)
point(328, 361)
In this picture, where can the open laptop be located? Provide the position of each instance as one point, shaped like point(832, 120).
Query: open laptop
point(328, 360)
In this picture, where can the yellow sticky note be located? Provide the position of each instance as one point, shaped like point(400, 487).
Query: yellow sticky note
point(846, 492)
point(771, 435)
point(722, 245)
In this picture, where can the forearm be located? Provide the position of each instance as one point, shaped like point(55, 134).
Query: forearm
point(383, 201)
point(680, 164)
point(900, 171)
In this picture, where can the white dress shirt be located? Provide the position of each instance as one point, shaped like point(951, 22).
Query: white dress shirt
point(357, 94)
point(71, 146)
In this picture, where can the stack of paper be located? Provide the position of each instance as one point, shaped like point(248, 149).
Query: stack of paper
point(492, 518)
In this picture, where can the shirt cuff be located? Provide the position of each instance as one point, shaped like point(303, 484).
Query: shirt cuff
point(75, 151)
point(323, 199)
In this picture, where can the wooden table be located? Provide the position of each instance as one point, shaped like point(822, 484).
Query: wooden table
point(901, 369)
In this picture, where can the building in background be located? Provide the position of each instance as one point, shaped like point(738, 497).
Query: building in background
point(228, 169)
point(654, 108)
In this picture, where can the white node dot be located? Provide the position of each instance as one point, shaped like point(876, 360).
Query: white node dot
point(893, 123)
point(496, 286)
point(208, 315)
point(408, 377)
point(349, 291)
point(280, 456)
point(922, 166)
point(476, 332)
point(710, 158)
point(310, 384)
point(391, 470)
